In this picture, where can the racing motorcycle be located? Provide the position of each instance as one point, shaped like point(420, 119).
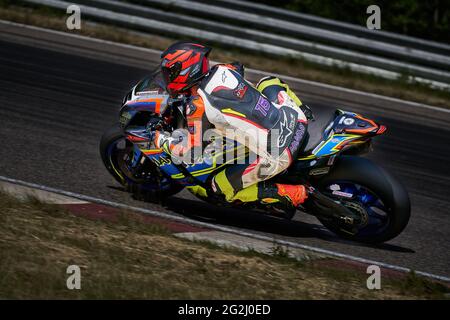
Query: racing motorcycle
point(350, 195)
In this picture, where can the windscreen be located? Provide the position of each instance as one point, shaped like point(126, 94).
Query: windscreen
point(153, 83)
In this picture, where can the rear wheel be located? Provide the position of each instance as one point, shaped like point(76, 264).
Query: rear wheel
point(131, 169)
point(381, 202)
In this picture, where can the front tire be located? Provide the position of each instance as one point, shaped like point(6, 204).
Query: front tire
point(382, 197)
point(115, 150)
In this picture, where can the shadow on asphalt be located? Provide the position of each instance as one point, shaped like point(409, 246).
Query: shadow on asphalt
point(122, 189)
point(205, 212)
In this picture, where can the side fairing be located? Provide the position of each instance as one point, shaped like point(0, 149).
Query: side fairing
point(201, 170)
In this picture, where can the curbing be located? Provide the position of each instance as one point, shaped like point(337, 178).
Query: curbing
point(178, 229)
point(183, 223)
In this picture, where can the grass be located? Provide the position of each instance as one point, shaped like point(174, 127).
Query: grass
point(127, 258)
point(280, 251)
point(53, 19)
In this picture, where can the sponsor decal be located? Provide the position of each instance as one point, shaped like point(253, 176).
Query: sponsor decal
point(297, 139)
point(349, 121)
point(319, 171)
point(144, 93)
point(161, 161)
point(286, 128)
point(190, 109)
point(263, 106)
point(224, 76)
point(292, 122)
point(335, 187)
point(240, 90)
point(342, 194)
point(196, 69)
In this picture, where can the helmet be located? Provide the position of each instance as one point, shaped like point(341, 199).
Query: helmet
point(183, 65)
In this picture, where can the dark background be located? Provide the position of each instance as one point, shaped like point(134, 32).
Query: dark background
point(424, 19)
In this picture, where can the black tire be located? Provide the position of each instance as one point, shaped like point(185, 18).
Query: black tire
point(393, 194)
point(112, 136)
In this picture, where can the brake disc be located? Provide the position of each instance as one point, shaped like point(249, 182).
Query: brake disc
point(359, 209)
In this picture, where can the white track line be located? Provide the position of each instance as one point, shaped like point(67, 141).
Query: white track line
point(261, 72)
point(221, 228)
point(23, 192)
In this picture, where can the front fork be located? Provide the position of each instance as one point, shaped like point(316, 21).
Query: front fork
point(136, 157)
point(135, 160)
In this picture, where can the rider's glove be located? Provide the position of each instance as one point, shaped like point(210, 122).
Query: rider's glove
point(154, 130)
point(155, 124)
point(159, 138)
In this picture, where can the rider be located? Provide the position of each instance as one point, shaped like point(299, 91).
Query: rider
point(220, 98)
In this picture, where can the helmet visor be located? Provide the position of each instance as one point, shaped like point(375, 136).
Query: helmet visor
point(172, 72)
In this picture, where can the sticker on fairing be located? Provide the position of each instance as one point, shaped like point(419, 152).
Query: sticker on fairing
point(319, 171)
point(342, 194)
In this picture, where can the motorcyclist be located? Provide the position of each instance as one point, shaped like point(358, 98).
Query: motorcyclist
point(219, 97)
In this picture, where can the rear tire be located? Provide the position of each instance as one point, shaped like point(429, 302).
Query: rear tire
point(393, 195)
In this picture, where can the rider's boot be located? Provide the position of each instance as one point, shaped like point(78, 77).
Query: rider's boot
point(284, 196)
point(281, 196)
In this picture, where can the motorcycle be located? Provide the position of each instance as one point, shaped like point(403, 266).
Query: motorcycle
point(350, 195)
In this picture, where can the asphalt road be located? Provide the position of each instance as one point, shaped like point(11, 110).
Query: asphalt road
point(54, 107)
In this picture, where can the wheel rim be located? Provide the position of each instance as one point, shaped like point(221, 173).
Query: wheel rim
point(356, 197)
point(124, 159)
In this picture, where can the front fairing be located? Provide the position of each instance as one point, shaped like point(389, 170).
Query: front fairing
point(148, 95)
point(146, 99)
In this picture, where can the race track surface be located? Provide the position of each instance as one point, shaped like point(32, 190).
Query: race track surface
point(55, 106)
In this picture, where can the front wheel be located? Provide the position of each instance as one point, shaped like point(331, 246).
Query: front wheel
point(366, 189)
point(124, 162)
